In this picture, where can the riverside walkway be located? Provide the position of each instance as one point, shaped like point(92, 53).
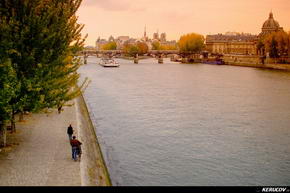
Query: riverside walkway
point(43, 154)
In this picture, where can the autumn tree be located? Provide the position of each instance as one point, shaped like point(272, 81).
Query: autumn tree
point(139, 48)
point(277, 44)
point(191, 43)
point(132, 50)
point(168, 47)
point(156, 45)
point(42, 38)
point(261, 46)
point(282, 43)
point(142, 48)
point(126, 48)
point(110, 46)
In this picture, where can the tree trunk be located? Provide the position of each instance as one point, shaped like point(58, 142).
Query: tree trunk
point(21, 116)
point(13, 127)
point(3, 133)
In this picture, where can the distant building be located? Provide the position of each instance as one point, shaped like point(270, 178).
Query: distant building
point(120, 41)
point(240, 43)
point(123, 38)
point(163, 37)
point(100, 43)
point(131, 41)
point(111, 39)
point(168, 43)
point(231, 44)
point(162, 40)
point(156, 36)
point(145, 37)
point(270, 25)
point(232, 33)
point(89, 48)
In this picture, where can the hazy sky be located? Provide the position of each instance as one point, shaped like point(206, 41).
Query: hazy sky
point(176, 17)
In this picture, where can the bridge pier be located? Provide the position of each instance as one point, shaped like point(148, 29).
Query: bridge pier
point(136, 59)
point(85, 59)
point(160, 59)
point(185, 60)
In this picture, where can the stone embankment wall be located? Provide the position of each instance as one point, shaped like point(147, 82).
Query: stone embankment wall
point(282, 60)
point(242, 60)
point(93, 168)
point(285, 67)
point(254, 61)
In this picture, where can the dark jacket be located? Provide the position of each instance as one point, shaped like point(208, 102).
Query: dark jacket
point(75, 143)
point(70, 130)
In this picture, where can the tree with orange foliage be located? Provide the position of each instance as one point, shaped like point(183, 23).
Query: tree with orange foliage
point(155, 45)
point(110, 46)
point(130, 49)
point(277, 44)
point(191, 43)
point(139, 48)
point(142, 48)
point(168, 47)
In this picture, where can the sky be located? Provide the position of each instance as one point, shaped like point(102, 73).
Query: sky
point(103, 18)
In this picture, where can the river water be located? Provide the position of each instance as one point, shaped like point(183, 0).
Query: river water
point(191, 124)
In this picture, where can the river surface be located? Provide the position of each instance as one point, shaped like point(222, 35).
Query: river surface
point(191, 124)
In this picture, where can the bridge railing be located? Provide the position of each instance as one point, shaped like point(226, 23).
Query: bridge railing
point(156, 52)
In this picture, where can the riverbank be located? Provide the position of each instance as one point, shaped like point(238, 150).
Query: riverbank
point(39, 153)
point(93, 167)
point(272, 66)
point(254, 61)
point(284, 67)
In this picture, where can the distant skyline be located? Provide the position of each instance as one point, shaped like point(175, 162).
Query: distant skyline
point(128, 18)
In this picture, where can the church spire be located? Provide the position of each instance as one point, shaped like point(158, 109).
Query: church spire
point(271, 14)
point(145, 35)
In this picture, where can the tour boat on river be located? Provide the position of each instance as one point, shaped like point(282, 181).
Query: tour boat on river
point(107, 62)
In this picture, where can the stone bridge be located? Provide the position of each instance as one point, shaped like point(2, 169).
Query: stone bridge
point(159, 54)
point(118, 52)
point(175, 55)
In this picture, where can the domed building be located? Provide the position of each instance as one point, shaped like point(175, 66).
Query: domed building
point(270, 25)
point(235, 43)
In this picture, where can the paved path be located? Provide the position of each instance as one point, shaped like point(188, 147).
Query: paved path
point(43, 156)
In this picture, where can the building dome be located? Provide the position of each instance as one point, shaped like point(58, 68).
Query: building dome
point(271, 23)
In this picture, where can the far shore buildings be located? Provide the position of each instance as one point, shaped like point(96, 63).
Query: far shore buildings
point(240, 43)
point(122, 40)
point(100, 43)
point(231, 43)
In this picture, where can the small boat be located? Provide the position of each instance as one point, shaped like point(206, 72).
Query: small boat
point(214, 61)
point(108, 63)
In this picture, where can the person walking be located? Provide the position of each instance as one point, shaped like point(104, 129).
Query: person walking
point(59, 109)
point(70, 132)
point(76, 148)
